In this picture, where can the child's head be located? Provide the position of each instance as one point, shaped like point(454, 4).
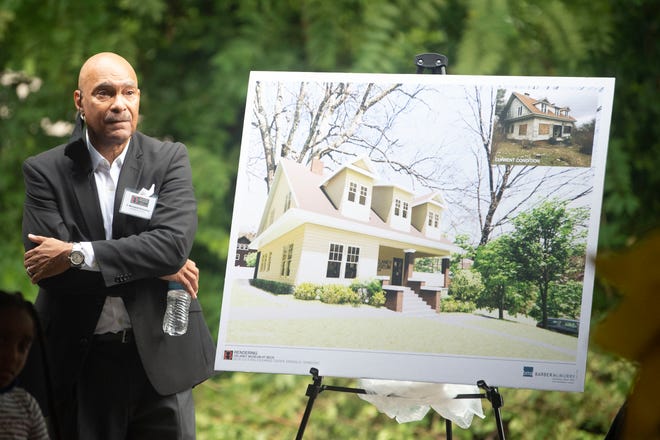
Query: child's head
point(17, 331)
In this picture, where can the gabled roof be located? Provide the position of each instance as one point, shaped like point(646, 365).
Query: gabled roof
point(361, 165)
point(307, 188)
point(530, 104)
point(434, 197)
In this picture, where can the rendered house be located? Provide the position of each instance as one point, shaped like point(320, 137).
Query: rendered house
point(528, 119)
point(243, 249)
point(346, 226)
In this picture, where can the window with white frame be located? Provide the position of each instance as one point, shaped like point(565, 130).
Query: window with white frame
point(400, 208)
point(363, 195)
point(430, 218)
point(352, 191)
point(287, 254)
point(352, 259)
point(264, 264)
point(335, 257)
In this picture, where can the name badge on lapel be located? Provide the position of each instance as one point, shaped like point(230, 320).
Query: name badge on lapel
point(138, 204)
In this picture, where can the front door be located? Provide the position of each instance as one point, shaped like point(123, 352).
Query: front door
point(397, 271)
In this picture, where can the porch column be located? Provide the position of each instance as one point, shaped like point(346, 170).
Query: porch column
point(445, 271)
point(408, 265)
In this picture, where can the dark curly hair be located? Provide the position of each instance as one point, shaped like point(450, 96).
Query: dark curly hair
point(16, 300)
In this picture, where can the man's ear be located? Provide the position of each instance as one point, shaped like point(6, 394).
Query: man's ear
point(77, 99)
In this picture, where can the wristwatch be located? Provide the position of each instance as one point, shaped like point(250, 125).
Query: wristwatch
point(76, 257)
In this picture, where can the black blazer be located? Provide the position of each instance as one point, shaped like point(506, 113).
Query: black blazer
point(61, 201)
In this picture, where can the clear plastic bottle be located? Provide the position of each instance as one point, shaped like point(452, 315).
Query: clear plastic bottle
point(175, 321)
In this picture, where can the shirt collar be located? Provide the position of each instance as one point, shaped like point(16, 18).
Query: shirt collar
point(96, 156)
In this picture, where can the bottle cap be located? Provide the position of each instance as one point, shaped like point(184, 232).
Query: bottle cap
point(173, 285)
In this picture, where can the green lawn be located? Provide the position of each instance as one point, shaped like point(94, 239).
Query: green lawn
point(511, 153)
point(265, 319)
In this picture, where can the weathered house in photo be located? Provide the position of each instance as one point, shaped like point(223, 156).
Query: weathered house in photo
point(524, 118)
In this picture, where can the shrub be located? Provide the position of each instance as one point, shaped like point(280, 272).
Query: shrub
point(276, 287)
point(451, 305)
point(377, 299)
point(339, 294)
point(466, 285)
point(307, 291)
point(369, 292)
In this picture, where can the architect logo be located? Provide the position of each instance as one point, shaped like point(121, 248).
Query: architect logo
point(527, 371)
point(228, 355)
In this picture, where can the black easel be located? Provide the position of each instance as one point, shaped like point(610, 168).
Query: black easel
point(434, 61)
point(313, 390)
point(316, 388)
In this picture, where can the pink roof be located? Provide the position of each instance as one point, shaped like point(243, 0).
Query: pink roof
point(306, 190)
point(530, 104)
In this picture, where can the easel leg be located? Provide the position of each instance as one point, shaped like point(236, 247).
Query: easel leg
point(495, 398)
point(313, 390)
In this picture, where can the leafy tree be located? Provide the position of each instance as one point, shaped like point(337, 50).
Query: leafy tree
point(565, 299)
point(543, 243)
point(251, 259)
point(464, 242)
point(584, 137)
point(466, 285)
point(428, 264)
point(499, 276)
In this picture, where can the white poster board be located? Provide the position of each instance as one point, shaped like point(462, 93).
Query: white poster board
point(366, 178)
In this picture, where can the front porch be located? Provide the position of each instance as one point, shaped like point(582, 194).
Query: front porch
point(402, 285)
point(409, 299)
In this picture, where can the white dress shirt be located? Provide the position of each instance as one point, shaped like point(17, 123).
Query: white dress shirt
point(114, 316)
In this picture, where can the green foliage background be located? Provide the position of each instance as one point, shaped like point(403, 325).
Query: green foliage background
point(193, 58)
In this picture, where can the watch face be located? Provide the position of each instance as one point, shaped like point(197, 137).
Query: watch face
point(77, 258)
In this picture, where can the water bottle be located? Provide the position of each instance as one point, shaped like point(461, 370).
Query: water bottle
point(175, 321)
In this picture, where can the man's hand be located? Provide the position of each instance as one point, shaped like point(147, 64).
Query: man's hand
point(49, 258)
point(187, 276)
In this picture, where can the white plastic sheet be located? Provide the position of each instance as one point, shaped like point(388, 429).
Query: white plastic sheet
point(410, 401)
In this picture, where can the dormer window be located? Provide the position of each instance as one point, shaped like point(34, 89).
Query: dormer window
point(352, 191)
point(363, 195)
point(434, 219)
point(400, 208)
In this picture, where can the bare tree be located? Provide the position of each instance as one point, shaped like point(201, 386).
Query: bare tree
point(323, 120)
point(337, 120)
point(519, 184)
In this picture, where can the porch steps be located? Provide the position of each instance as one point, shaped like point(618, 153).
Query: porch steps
point(415, 306)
